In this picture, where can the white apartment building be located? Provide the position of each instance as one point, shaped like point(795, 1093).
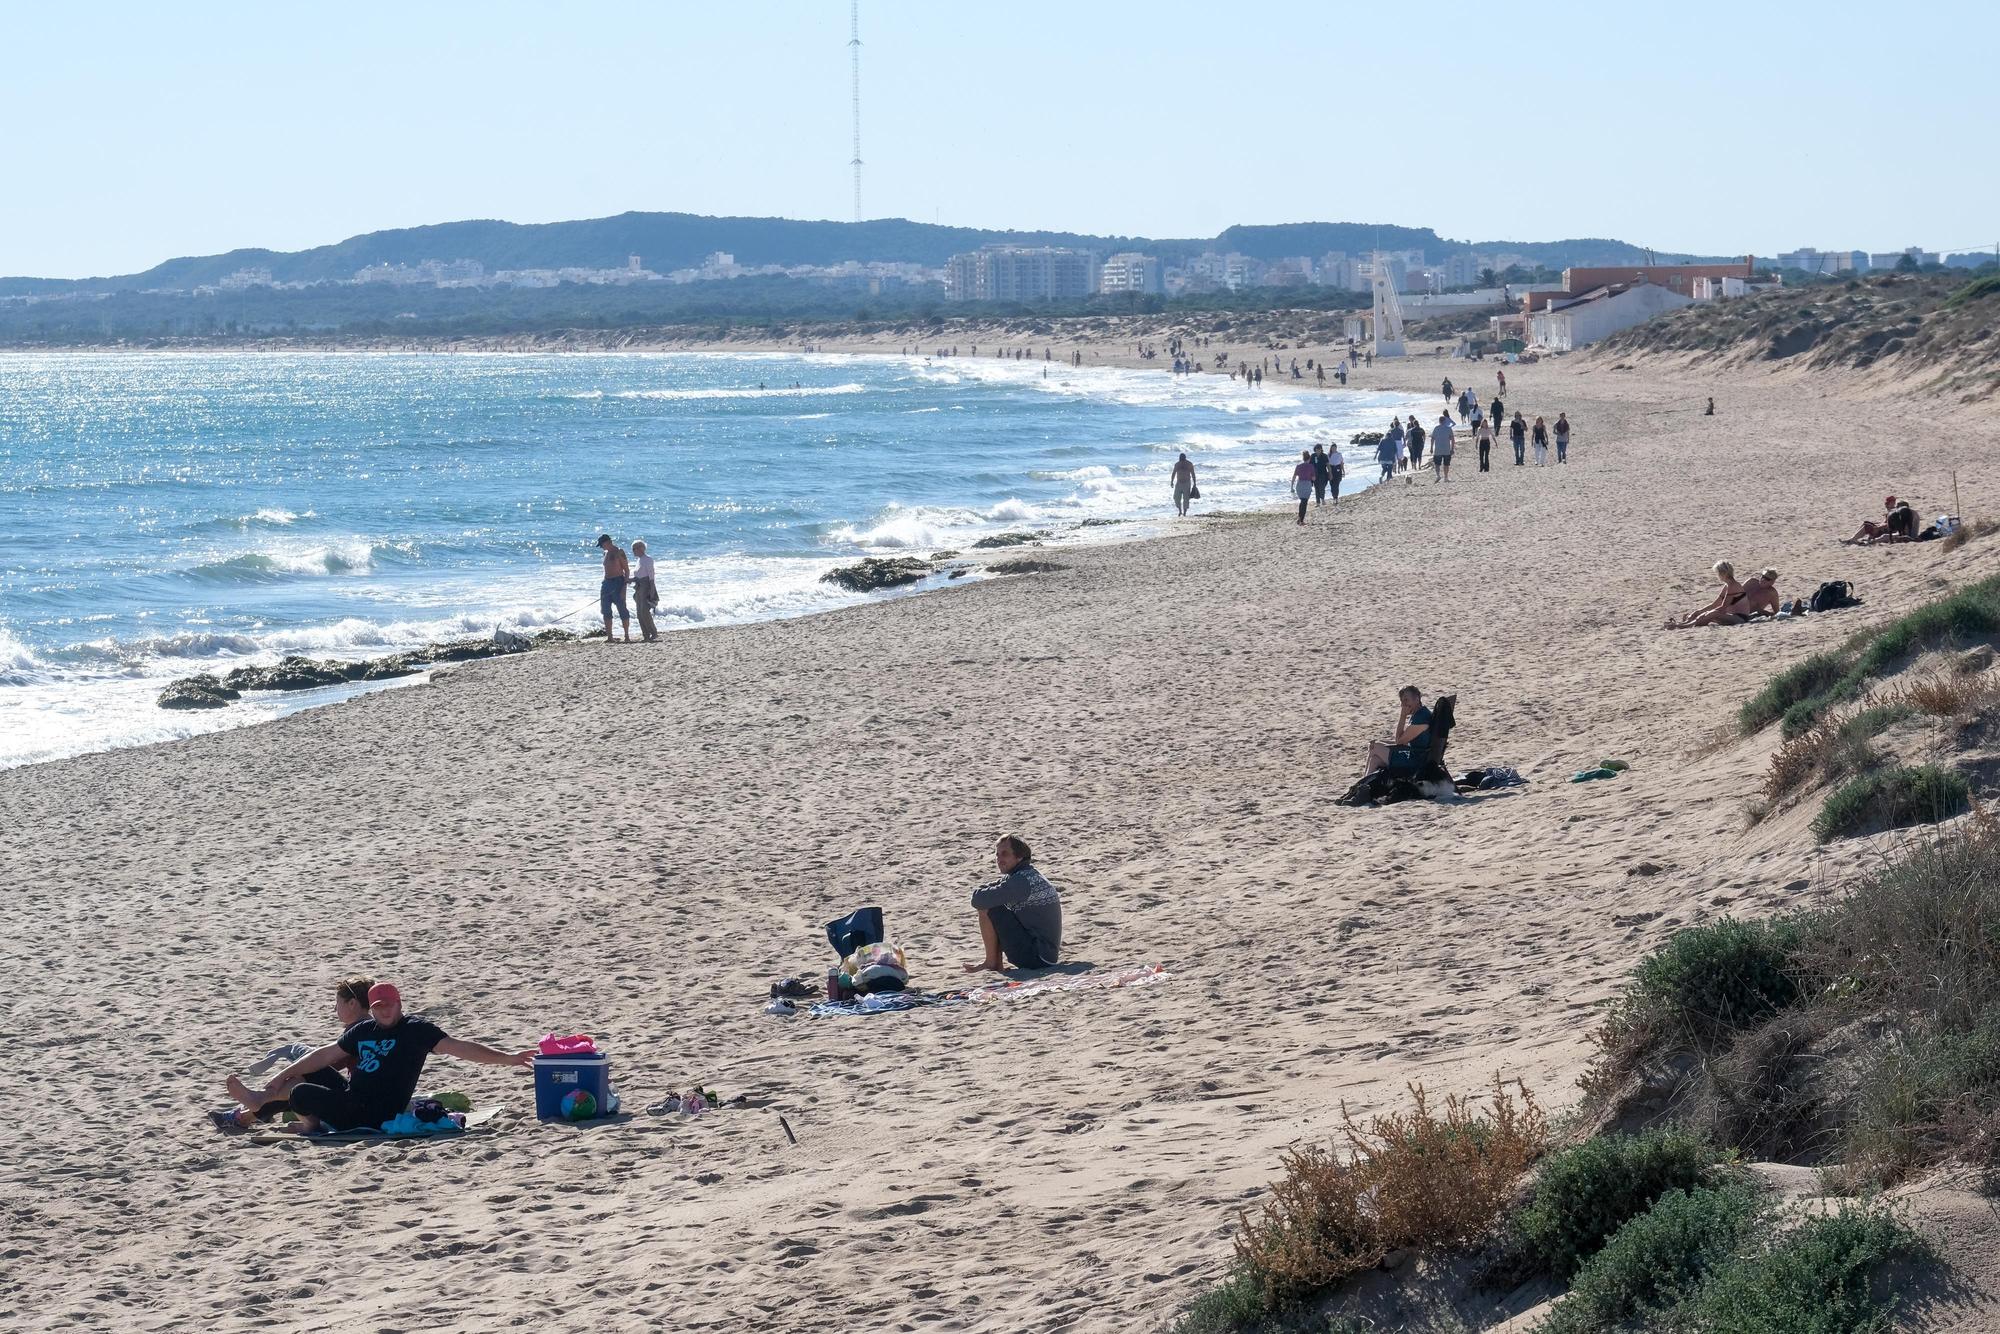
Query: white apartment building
point(1130, 271)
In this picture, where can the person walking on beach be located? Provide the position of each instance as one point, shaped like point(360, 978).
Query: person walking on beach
point(1497, 414)
point(611, 593)
point(1389, 451)
point(645, 592)
point(1319, 475)
point(1336, 468)
point(1518, 429)
point(1483, 436)
point(1302, 482)
point(1541, 443)
point(1443, 444)
point(1414, 437)
point(1447, 389)
point(1562, 437)
point(1183, 482)
point(1502, 374)
point(1020, 915)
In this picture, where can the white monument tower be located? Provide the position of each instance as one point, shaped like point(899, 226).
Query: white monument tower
point(1388, 310)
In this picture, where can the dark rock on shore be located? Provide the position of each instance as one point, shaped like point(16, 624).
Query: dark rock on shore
point(1010, 539)
point(298, 673)
point(1025, 566)
point(197, 692)
point(875, 572)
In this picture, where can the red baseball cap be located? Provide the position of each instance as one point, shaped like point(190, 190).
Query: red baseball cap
point(384, 991)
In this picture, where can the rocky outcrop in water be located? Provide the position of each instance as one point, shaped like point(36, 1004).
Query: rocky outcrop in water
point(876, 572)
point(208, 691)
point(1010, 539)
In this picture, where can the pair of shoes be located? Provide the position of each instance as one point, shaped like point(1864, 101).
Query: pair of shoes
point(224, 1119)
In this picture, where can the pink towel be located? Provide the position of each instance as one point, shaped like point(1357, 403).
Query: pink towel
point(577, 1044)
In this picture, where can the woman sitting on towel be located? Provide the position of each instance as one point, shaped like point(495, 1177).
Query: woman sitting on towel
point(1020, 915)
point(350, 1007)
point(1722, 610)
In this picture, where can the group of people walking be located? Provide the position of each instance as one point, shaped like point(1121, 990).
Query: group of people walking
point(619, 571)
point(1319, 472)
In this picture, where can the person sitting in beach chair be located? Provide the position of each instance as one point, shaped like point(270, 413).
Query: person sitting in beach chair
point(1411, 765)
point(1020, 915)
point(1718, 612)
point(350, 1007)
point(387, 1051)
point(1899, 524)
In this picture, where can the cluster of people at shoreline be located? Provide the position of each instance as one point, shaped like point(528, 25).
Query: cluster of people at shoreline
point(637, 571)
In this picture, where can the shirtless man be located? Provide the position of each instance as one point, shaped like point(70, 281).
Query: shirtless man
point(611, 593)
point(1184, 487)
point(1760, 595)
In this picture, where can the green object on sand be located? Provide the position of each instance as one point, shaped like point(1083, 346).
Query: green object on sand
point(1591, 775)
point(454, 1102)
point(1615, 766)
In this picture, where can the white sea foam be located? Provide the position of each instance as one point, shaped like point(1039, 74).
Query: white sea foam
point(803, 391)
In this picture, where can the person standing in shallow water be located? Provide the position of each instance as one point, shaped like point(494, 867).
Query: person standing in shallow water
point(1184, 485)
point(611, 592)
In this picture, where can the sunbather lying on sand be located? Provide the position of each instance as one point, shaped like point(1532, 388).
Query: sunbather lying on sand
point(1719, 611)
point(1020, 916)
point(350, 1007)
point(387, 1050)
point(1899, 524)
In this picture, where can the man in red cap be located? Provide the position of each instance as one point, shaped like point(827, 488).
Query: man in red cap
point(387, 1050)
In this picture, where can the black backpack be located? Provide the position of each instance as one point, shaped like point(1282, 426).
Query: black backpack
point(1833, 594)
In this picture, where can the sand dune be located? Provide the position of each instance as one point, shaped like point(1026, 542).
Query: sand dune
point(634, 842)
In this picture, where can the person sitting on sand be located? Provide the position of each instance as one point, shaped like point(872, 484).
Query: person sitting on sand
point(1717, 612)
point(611, 593)
point(350, 1007)
point(1899, 524)
point(1759, 596)
point(1184, 487)
point(387, 1050)
point(1413, 720)
point(1020, 915)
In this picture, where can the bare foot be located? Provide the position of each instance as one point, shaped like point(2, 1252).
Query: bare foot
point(980, 966)
point(241, 1092)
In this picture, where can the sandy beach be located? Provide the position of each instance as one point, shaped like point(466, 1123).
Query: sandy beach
point(634, 841)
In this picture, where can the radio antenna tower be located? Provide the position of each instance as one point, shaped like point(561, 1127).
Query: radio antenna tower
point(854, 61)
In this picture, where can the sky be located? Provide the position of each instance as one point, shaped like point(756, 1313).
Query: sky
point(140, 132)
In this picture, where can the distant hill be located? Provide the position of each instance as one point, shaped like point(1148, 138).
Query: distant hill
point(666, 241)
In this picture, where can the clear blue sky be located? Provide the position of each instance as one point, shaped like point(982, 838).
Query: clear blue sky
point(137, 132)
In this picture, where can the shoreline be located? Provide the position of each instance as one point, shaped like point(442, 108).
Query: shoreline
point(635, 845)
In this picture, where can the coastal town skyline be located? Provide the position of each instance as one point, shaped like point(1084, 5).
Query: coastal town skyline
point(353, 132)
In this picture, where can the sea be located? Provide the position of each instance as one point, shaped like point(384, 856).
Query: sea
point(167, 513)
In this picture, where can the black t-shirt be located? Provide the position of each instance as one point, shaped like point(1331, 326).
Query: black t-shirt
point(1519, 428)
point(387, 1064)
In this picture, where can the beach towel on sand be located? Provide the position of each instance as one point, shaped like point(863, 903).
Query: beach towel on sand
point(1010, 989)
point(403, 1127)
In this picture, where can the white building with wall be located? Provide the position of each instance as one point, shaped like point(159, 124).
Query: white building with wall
point(1581, 321)
point(1131, 271)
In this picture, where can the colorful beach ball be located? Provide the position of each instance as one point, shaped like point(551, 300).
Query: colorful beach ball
point(579, 1105)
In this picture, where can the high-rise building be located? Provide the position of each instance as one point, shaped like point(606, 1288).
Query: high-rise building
point(1020, 273)
point(1130, 271)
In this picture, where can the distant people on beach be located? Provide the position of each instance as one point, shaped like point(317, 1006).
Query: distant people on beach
point(1302, 482)
point(1899, 524)
point(1501, 375)
point(1562, 437)
point(385, 1052)
point(1184, 484)
point(1710, 411)
point(350, 1007)
point(1447, 389)
point(1541, 438)
point(1336, 469)
point(1483, 437)
point(1518, 430)
point(1413, 720)
point(1020, 915)
point(611, 592)
point(1413, 438)
point(1319, 475)
point(645, 592)
point(1390, 450)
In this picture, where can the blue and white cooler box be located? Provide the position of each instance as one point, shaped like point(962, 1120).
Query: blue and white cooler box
point(556, 1077)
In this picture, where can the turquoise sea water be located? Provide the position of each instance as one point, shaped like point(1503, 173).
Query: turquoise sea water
point(167, 513)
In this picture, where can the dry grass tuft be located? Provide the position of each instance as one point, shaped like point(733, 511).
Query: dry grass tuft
point(1829, 751)
point(1417, 1179)
point(1966, 532)
point(1952, 695)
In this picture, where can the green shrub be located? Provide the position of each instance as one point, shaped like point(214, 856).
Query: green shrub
point(1918, 1097)
point(1892, 799)
point(1657, 1259)
point(1235, 1303)
point(1818, 1278)
point(1586, 1193)
point(1703, 984)
point(1804, 681)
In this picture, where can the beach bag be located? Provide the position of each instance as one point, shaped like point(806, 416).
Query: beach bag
point(1833, 594)
point(1194, 493)
point(874, 968)
point(847, 934)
